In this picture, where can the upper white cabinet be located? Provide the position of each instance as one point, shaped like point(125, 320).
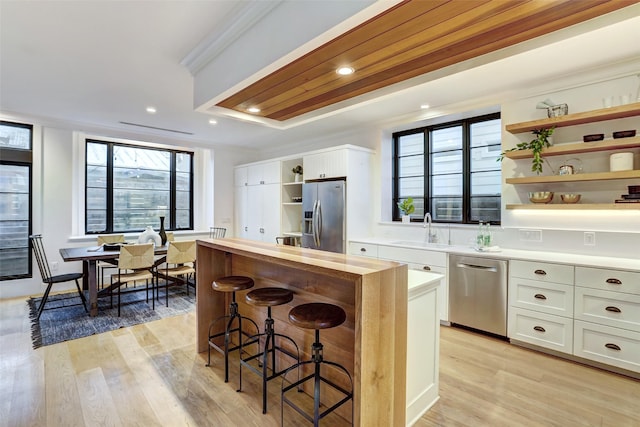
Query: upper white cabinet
point(263, 173)
point(240, 176)
point(326, 164)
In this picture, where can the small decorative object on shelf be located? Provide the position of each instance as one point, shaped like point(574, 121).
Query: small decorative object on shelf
point(297, 173)
point(536, 145)
point(407, 208)
point(553, 109)
point(150, 236)
point(162, 233)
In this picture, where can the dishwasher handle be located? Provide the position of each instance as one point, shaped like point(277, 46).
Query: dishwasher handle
point(477, 267)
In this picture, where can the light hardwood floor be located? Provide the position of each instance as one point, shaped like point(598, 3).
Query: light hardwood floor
point(149, 375)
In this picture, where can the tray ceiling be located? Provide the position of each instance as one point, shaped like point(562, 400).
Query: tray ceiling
point(410, 39)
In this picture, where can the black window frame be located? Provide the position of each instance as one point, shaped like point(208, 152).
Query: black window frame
point(169, 226)
point(466, 167)
point(24, 158)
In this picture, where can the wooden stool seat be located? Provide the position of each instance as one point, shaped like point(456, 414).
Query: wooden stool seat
point(317, 315)
point(269, 297)
point(232, 284)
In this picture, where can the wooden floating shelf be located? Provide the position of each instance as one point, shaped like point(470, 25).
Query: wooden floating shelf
point(577, 206)
point(579, 177)
point(580, 147)
point(293, 183)
point(623, 111)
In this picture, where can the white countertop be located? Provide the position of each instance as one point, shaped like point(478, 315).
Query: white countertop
point(516, 254)
point(420, 279)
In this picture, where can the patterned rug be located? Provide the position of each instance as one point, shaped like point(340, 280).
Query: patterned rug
point(64, 318)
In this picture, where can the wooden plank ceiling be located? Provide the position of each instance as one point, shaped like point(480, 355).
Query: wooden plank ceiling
point(410, 39)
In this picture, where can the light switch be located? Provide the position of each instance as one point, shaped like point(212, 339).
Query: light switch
point(589, 238)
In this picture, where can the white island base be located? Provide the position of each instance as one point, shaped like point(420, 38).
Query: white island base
point(423, 343)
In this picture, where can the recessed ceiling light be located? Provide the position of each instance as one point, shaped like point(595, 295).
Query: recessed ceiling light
point(213, 122)
point(151, 110)
point(424, 106)
point(345, 71)
point(253, 109)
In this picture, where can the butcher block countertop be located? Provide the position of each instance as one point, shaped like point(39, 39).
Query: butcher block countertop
point(371, 343)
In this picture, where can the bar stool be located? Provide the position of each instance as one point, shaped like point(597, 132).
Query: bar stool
point(316, 316)
point(268, 297)
point(229, 284)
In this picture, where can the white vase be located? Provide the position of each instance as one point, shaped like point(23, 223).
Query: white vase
point(149, 235)
point(297, 177)
point(406, 219)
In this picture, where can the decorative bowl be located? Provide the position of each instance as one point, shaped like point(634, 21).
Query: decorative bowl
point(624, 134)
point(570, 198)
point(593, 137)
point(540, 196)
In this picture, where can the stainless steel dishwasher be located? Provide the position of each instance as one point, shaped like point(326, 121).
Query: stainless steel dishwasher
point(478, 293)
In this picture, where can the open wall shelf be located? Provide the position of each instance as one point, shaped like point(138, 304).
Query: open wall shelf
point(576, 206)
point(579, 177)
point(580, 147)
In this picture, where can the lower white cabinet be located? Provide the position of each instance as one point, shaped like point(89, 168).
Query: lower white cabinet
point(604, 344)
point(608, 308)
point(263, 212)
point(541, 329)
point(550, 298)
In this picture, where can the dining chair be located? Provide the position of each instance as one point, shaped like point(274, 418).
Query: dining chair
point(135, 263)
point(45, 272)
point(179, 265)
point(106, 264)
point(217, 232)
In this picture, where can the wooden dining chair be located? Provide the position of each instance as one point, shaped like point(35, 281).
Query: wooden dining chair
point(135, 263)
point(105, 239)
point(45, 272)
point(179, 265)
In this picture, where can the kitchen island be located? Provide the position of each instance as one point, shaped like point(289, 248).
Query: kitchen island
point(372, 342)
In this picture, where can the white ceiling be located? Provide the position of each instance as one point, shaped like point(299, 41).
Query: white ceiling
point(90, 65)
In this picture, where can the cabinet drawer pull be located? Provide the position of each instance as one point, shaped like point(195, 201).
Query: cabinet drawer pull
point(539, 296)
point(426, 268)
point(613, 309)
point(363, 249)
point(612, 346)
point(540, 272)
point(613, 281)
point(539, 329)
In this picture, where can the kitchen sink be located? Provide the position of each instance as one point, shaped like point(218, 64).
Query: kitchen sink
point(419, 244)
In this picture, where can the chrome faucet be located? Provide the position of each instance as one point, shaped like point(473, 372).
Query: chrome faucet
point(426, 223)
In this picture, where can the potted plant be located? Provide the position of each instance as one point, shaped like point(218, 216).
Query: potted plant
point(536, 145)
point(297, 173)
point(407, 208)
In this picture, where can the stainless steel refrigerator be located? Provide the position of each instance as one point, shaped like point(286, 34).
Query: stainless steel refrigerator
point(323, 207)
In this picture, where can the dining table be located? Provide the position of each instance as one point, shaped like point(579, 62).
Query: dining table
point(90, 255)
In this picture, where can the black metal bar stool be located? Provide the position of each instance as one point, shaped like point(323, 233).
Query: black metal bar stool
point(268, 297)
point(230, 284)
point(316, 316)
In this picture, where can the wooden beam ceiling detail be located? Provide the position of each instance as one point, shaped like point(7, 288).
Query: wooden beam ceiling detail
point(410, 39)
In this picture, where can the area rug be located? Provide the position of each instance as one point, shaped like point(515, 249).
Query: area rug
point(64, 318)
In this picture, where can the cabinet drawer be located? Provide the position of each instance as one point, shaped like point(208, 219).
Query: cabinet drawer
point(610, 280)
point(608, 308)
point(363, 249)
point(613, 346)
point(542, 271)
point(552, 298)
point(417, 256)
point(541, 329)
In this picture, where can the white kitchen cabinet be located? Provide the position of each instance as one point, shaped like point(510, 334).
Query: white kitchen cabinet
point(326, 164)
point(608, 308)
point(240, 176)
point(423, 343)
point(263, 212)
point(363, 249)
point(540, 310)
point(541, 329)
point(612, 346)
point(264, 173)
point(608, 280)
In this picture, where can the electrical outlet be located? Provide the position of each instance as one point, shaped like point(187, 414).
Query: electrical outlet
point(530, 235)
point(589, 238)
point(54, 265)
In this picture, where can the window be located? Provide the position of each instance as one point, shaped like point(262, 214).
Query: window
point(450, 170)
point(15, 199)
point(130, 187)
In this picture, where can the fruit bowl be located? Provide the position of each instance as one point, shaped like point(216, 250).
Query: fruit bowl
point(540, 196)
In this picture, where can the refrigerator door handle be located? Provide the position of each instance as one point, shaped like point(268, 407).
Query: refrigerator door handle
point(314, 225)
point(319, 224)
